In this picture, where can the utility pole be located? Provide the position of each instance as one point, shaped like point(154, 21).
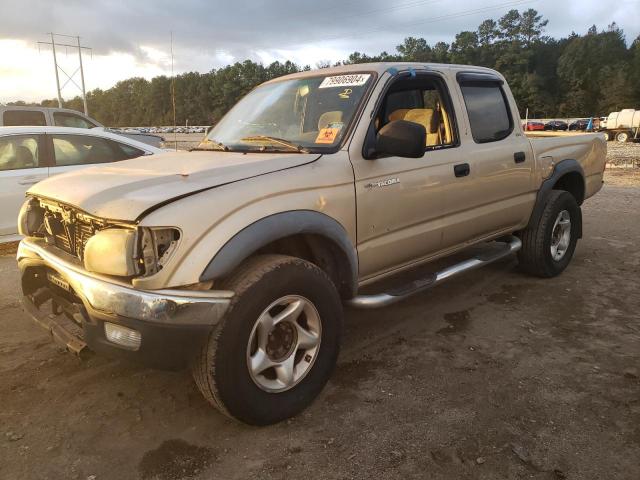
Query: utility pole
point(55, 66)
point(84, 94)
point(58, 68)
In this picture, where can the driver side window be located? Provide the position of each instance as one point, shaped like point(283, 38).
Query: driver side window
point(424, 101)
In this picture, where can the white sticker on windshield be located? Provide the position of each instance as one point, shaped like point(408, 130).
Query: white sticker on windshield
point(354, 80)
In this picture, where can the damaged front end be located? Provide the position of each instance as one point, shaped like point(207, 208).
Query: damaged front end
point(102, 246)
point(77, 282)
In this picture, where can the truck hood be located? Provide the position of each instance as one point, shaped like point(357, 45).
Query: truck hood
point(127, 189)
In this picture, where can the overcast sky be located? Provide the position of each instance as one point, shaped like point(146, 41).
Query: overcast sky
point(132, 38)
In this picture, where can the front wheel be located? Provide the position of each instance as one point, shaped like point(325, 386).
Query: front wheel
point(547, 248)
point(276, 346)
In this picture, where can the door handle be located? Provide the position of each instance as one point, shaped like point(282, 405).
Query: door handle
point(519, 157)
point(462, 170)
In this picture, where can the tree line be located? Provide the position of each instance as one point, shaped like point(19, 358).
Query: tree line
point(578, 76)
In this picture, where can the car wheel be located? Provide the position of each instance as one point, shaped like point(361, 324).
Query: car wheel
point(276, 346)
point(547, 248)
point(622, 137)
point(607, 136)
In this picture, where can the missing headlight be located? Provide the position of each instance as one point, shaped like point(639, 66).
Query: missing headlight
point(31, 218)
point(157, 246)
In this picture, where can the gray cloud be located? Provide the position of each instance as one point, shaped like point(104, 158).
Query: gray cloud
point(241, 29)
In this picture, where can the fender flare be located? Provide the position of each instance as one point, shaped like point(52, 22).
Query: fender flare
point(274, 227)
point(563, 167)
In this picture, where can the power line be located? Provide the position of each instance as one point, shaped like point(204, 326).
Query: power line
point(390, 9)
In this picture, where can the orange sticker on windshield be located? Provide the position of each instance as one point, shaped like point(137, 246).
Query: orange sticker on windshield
point(327, 135)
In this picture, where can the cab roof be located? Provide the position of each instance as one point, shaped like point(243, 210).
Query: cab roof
point(382, 67)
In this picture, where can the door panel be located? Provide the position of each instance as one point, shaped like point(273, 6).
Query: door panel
point(400, 218)
point(400, 200)
point(13, 186)
point(497, 195)
point(19, 169)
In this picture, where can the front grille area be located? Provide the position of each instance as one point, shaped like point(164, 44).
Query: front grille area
point(74, 236)
point(67, 228)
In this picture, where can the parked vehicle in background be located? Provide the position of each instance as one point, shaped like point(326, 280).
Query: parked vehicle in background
point(532, 126)
point(556, 125)
point(15, 116)
point(235, 258)
point(31, 154)
point(623, 126)
point(580, 124)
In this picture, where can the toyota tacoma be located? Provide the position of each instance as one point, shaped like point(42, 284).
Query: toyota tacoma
point(235, 258)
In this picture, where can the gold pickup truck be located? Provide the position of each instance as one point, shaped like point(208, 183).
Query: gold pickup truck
point(236, 258)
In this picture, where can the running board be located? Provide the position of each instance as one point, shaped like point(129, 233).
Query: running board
point(378, 300)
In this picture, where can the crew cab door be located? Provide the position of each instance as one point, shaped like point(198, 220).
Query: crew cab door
point(400, 200)
point(22, 164)
point(494, 187)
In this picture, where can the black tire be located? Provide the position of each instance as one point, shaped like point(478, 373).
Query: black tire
point(221, 371)
point(535, 256)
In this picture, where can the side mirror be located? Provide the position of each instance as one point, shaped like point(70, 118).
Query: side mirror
point(402, 139)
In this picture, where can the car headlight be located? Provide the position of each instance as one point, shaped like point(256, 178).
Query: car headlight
point(30, 218)
point(112, 252)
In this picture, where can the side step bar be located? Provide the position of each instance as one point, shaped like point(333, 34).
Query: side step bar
point(378, 300)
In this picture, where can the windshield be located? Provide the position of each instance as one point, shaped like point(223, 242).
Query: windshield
point(305, 114)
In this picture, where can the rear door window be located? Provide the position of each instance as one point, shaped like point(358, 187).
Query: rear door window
point(18, 152)
point(489, 114)
point(64, 119)
point(17, 118)
point(85, 150)
point(129, 151)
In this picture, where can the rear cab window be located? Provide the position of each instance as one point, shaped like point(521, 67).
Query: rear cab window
point(18, 118)
point(487, 107)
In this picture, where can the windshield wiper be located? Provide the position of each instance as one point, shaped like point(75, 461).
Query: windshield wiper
point(280, 141)
point(208, 145)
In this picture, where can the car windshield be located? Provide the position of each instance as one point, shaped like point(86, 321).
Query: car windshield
point(298, 115)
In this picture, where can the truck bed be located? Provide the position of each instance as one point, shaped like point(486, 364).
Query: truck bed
point(588, 149)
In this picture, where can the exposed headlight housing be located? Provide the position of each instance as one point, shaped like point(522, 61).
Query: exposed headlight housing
point(157, 246)
point(31, 218)
point(112, 252)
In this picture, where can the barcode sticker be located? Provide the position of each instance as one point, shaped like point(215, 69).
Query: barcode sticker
point(354, 80)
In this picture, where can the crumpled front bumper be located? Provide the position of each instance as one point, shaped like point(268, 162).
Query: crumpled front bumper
point(74, 305)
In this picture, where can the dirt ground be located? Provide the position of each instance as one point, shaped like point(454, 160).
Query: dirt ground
point(494, 375)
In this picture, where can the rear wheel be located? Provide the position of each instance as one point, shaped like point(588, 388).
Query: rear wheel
point(276, 346)
point(623, 137)
point(547, 248)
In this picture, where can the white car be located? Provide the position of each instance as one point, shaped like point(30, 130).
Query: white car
point(31, 154)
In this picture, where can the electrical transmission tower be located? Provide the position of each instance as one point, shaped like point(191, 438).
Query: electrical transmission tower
point(58, 68)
